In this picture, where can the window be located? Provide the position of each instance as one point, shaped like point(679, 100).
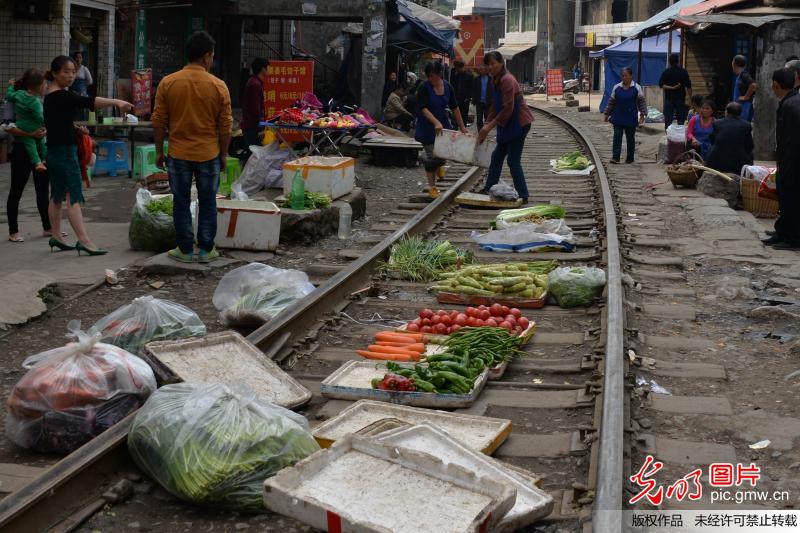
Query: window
point(529, 16)
point(514, 10)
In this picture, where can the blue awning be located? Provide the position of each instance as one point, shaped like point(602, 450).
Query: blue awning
point(439, 40)
point(655, 45)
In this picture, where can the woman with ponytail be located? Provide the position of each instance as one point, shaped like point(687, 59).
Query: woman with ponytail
point(60, 106)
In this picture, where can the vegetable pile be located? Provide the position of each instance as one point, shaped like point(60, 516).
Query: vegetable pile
point(160, 205)
point(310, 117)
point(444, 323)
point(572, 161)
point(73, 393)
point(151, 228)
point(313, 200)
point(211, 445)
point(416, 259)
point(536, 214)
point(517, 280)
point(576, 286)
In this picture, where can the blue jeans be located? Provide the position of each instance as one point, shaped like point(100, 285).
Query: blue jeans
point(206, 175)
point(674, 109)
point(616, 147)
point(512, 149)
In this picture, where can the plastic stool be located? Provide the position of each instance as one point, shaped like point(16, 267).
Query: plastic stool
point(112, 156)
point(229, 175)
point(144, 161)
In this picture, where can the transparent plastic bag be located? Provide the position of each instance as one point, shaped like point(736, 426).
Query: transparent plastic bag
point(523, 237)
point(153, 232)
point(75, 392)
point(148, 319)
point(255, 293)
point(264, 168)
point(576, 286)
point(503, 192)
point(213, 445)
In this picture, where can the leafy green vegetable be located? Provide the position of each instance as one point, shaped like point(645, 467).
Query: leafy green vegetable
point(211, 445)
point(313, 200)
point(419, 260)
point(160, 205)
point(576, 286)
point(151, 226)
point(534, 214)
point(572, 161)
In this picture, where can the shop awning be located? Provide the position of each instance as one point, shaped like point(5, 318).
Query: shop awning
point(730, 19)
point(663, 17)
point(508, 51)
point(706, 7)
point(434, 30)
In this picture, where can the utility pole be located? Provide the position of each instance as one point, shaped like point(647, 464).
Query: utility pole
point(549, 34)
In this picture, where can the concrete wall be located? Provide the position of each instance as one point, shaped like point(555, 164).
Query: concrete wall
point(494, 29)
point(774, 43)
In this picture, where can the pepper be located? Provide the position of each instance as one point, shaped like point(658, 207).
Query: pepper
point(452, 366)
point(457, 381)
point(423, 385)
point(394, 382)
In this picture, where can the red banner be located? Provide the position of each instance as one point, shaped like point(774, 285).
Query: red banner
point(141, 91)
point(469, 48)
point(555, 82)
point(286, 83)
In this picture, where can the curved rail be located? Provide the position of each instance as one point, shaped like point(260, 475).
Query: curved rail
point(607, 516)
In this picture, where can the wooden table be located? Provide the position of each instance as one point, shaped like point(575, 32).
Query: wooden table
point(130, 126)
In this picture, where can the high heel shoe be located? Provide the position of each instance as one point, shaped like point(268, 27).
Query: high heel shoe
point(55, 243)
point(80, 247)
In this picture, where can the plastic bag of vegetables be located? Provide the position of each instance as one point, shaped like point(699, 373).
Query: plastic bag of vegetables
point(75, 392)
point(148, 319)
point(255, 293)
point(213, 445)
point(576, 286)
point(535, 214)
point(151, 226)
point(523, 237)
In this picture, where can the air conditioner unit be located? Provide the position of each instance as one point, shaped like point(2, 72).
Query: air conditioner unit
point(32, 10)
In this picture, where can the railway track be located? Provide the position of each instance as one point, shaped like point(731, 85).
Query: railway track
point(565, 399)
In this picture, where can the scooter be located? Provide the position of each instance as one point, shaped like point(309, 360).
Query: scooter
point(572, 86)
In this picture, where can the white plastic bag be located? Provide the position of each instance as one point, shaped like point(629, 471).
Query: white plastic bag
point(503, 192)
point(255, 293)
point(555, 226)
point(153, 232)
point(264, 168)
point(576, 286)
point(676, 133)
point(214, 445)
point(75, 392)
point(148, 319)
point(522, 238)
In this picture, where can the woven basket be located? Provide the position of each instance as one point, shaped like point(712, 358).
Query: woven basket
point(760, 207)
point(685, 177)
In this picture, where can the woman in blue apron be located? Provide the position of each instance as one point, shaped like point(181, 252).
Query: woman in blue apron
point(512, 118)
point(626, 109)
point(83, 79)
point(434, 97)
point(744, 88)
point(700, 128)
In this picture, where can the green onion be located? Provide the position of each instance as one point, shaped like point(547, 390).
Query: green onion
point(419, 260)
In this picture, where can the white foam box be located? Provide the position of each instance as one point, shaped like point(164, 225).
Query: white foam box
point(248, 225)
point(334, 176)
point(464, 148)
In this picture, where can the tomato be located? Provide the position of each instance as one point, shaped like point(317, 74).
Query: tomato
point(441, 312)
point(523, 322)
point(425, 329)
point(412, 327)
point(491, 323)
point(454, 328)
point(436, 320)
point(417, 321)
point(426, 321)
point(440, 329)
point(482, 308)
point(454, 315)
point(461, 320)
point(485, 314)
point(470, 311)
point(425, 313)
point(511, 320)
point(480, 323)
point(506, 325)
point(447, 321)
point(505, 310)
point(516, 312)
point(496, 310)
point(472, 322)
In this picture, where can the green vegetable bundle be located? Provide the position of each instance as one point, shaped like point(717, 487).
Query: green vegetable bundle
point(419, 260)
point(313, 200)
point(492, 346)
point(160, 205)
point(151, 228)
point(572, 161)
point(535, 214)
point(518, 280)
point(576, 286)
point(211, 445)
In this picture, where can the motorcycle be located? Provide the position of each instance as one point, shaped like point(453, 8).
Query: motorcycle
point(573, 86)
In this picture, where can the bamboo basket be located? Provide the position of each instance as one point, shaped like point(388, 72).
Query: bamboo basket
point(684, 175)
point(758, 206)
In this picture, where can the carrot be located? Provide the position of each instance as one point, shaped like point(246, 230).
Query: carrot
point(394, 337)
point(415, 347)
point(418, 337)
point(392, 349)
point(383, 356)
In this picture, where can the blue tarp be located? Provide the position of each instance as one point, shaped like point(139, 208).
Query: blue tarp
point(439, 40)
point(625, 54)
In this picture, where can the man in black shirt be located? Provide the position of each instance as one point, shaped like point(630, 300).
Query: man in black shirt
point(676, 84)
point(461, 80)
point(731, 142)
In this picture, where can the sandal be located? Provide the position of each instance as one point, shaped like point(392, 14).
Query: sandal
point(18, 238)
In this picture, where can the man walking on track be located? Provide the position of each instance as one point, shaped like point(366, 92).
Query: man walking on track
point(461, 80)
point(676, 84)
point(195, 107)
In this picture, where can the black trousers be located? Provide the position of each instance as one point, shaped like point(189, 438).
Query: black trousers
point(787, 226)
point(480, 113)
point(21, 169)
point(463, 106)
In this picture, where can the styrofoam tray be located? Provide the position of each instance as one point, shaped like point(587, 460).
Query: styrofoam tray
point(532, 503)
point(225, 357)
point(352, 381)
point(361, 485)
point(479, 433)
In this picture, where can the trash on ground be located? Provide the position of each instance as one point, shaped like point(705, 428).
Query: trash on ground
point(652, 385)
point(75, 392)
point(760, 445)
point(214, 445)
point(409, 491)
point(576, 286)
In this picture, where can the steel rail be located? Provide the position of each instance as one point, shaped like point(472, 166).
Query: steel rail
point(607, 512)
